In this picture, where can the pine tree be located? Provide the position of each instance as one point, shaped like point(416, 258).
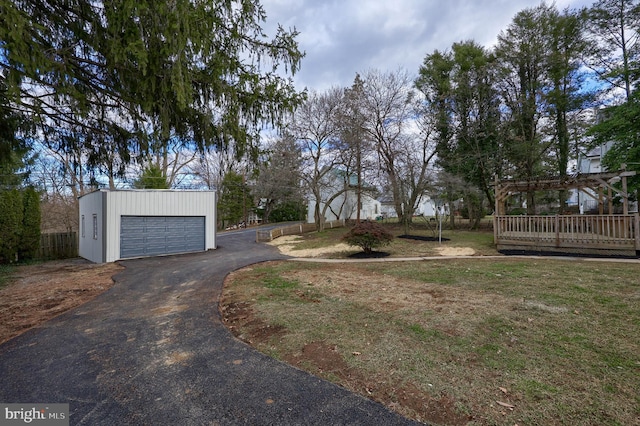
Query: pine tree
point(11, 214)
point(235, 199)
point(194, 70)
point(151, 178)
point(30, 235)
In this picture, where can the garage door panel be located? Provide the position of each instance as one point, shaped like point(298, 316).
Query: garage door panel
point(156, 235)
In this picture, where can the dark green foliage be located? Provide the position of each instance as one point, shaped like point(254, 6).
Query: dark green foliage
point(368, 235)
point(621, 125)
point(287, 212)
point(11, 214)
point(13, 150)
point(278, 182)
point(30, 238)
point(473, 208)
point(235, 199)
point(200, 71)
point(19, 224)
point(461, 86)
point(151, 178)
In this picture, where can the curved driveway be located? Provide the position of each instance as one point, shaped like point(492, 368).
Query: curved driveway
point(152, 350)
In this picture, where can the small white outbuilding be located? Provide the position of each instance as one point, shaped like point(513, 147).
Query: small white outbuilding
point(126, 224)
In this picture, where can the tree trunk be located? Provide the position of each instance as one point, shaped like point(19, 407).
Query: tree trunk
point(317, 215)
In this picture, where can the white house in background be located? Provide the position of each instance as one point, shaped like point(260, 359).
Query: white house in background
point(126, 224)
point(425, 206)
point(344, 205)
point(591, 162)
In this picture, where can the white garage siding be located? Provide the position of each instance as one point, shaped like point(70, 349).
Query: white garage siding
point(159, 205)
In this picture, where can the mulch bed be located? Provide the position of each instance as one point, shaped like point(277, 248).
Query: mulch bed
point(372, 255)
point(422, 238)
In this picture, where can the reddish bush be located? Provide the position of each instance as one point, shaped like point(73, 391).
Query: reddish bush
point(368, 235)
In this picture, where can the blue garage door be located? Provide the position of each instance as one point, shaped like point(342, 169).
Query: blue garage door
point(157, 235)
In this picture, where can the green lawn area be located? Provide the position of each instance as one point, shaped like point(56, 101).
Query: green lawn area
point(464, 341)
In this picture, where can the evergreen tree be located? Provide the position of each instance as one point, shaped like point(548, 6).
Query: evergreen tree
point(566, 94)
point(30, 236)
point(14, 151)
point(195, 70)
point(288, 211)
point(461, 89)
point(623, 127)
point(11, 216)
point(151, 178)
point(278, 185)
point(522, 52)
point(235, 199)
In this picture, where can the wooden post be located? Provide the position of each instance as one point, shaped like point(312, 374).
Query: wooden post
point(497, 196)
point(625, 198)
point(637, 230)
point(496, 211)
point(600, 201)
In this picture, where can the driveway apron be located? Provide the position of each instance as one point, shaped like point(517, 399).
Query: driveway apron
point(152, 350)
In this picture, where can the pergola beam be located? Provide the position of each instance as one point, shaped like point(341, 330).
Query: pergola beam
point(594, 181)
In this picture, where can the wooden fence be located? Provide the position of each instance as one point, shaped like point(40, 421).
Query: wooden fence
point(587, 234)
point(270, 235)
point(59, 245)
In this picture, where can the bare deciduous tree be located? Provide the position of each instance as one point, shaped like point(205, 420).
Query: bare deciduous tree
point(401, 136)
point(314, 127)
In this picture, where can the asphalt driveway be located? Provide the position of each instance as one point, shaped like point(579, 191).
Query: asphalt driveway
point(152, 350)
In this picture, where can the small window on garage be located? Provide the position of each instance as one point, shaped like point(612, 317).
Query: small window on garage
point(82, 226)
point(95, 226)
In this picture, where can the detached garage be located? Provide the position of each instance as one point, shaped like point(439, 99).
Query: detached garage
point(126, 224)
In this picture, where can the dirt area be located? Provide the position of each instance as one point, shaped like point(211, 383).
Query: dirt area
point(37, 293)
point(287, 246)
point(456, 251)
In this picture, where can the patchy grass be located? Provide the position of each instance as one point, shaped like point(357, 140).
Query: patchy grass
point(6, 272)
point(469, 341)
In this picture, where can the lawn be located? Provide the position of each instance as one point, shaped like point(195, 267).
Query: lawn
point(456, 341)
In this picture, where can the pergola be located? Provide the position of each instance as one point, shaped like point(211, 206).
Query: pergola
point(596, 182)
point(571, 233)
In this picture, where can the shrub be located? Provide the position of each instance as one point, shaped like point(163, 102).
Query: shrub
point(368, 235)
point(287, 212)
point(30, 238)
point(11, 212)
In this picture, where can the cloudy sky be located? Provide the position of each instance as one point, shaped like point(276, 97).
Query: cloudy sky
point(343, 37)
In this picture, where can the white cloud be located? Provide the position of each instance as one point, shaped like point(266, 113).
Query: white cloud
point(343, 37)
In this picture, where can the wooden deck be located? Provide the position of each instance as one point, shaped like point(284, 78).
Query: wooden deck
point(580, 234)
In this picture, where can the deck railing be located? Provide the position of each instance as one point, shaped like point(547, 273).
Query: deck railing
point(608, 232)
